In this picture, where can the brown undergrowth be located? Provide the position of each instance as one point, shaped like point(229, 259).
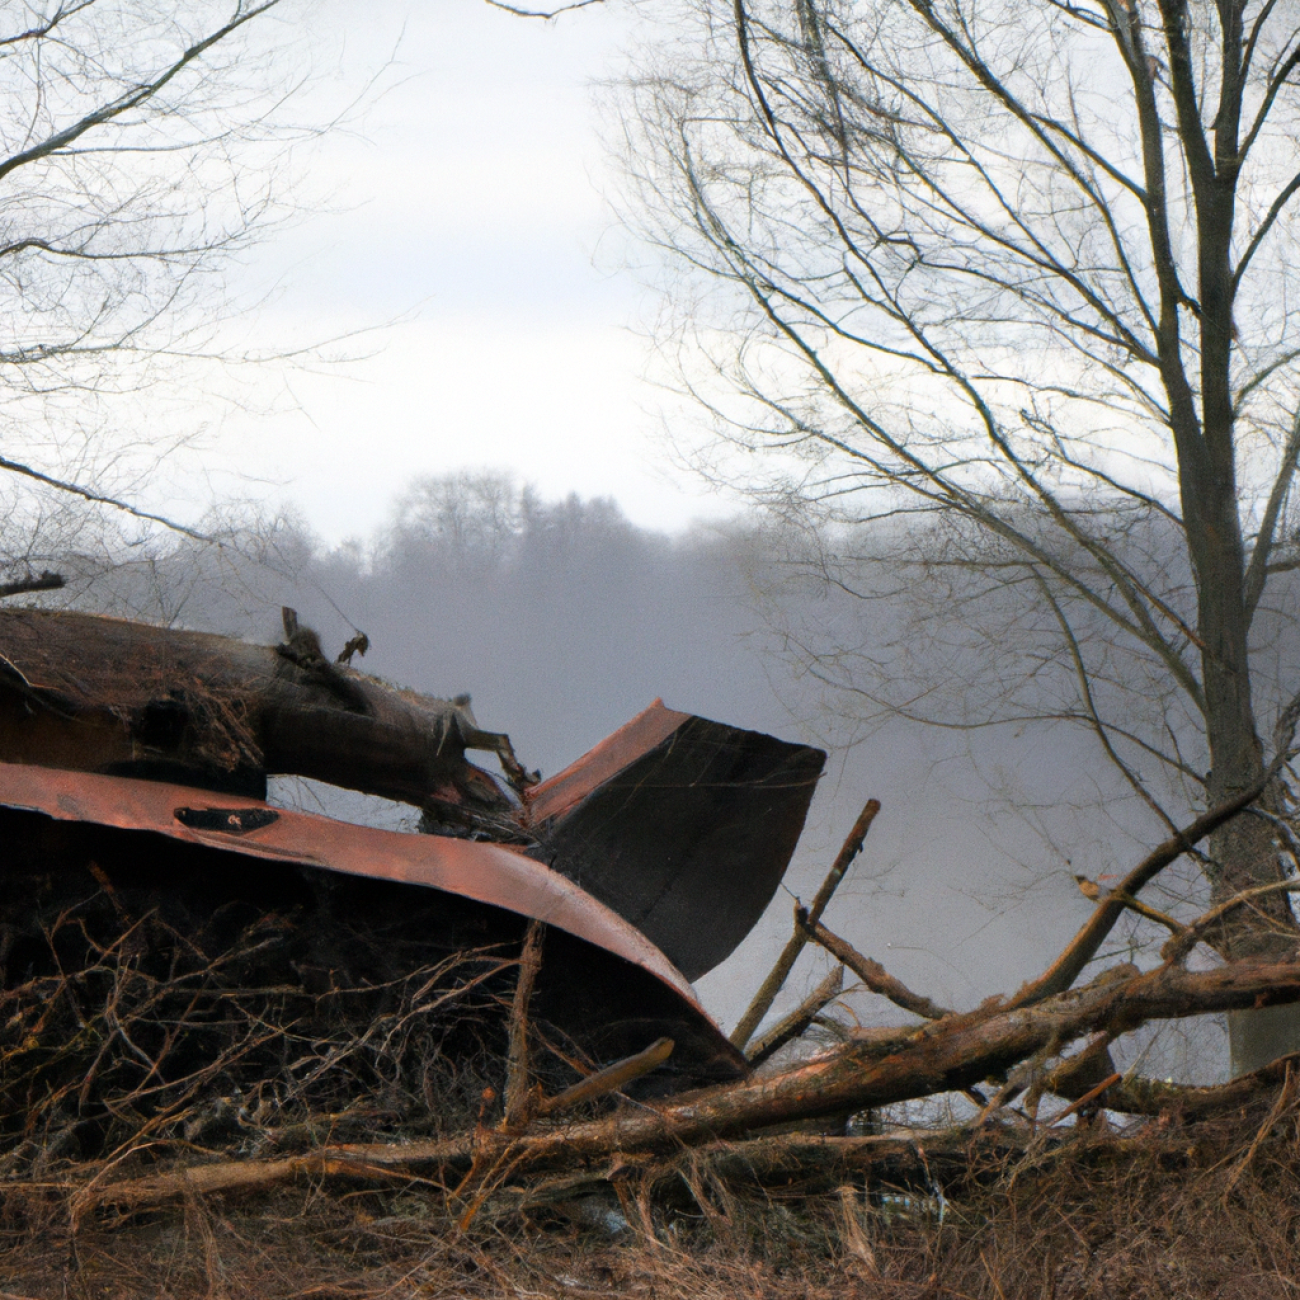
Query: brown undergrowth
point(155, 1021)
point(1205, 1210)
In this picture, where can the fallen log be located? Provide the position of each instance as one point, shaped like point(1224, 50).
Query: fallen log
point(94, 694)
point(1143, 1096)
point(948, 1055)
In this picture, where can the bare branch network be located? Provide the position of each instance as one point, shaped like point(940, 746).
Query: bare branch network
point(1004, 295)
point(141, 151)
point(520, 12)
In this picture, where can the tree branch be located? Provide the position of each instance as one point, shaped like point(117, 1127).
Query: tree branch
point(950, 1055)
point(46, 581)
point(1083, 947)
point(541, 13)
point(870, 972)
point(133, 98)
point(98, 498)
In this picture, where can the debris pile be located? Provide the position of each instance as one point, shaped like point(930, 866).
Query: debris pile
point(205, 996)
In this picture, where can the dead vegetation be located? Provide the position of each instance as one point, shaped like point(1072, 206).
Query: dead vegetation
point(265, 1083)
point(1180, 1209)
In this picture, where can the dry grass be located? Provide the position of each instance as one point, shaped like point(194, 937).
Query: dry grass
point(1210, 1211)
point(145, 1026)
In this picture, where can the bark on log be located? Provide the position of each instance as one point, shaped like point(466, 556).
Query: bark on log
point(1142, 1096)
point(89, 693)
point(799, 1021)
point(947, 1055)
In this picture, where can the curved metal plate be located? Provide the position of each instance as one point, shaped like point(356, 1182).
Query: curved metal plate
point(618, 751)
point(682, 825)
point(487, 873)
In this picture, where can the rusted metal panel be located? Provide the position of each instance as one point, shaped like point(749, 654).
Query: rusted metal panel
point(559, 793)
point(494, 874)
point(684, 826)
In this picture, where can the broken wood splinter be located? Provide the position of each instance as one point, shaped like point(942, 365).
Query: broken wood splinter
point(608, 1080)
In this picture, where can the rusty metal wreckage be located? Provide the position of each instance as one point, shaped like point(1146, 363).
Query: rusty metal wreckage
point(134, 762)
point(650, 857)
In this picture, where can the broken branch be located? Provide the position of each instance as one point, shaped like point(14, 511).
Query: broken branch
point(870, 972)
point(1083, 947)
point(1091, 1095)
point(1187, 937)
point(949, 1055)
point(797, 1022)
point(610, 1079)
point(46, 581)
point(780, 972)
point(1142, 1096)
point(530, 961)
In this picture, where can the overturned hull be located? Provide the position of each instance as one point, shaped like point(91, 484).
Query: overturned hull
point(681, 825)
point(602, 983)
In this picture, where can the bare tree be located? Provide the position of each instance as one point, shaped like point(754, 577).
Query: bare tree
point(142, 148)
point(1020, 276)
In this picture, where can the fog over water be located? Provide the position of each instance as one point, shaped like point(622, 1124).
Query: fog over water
point(564, 620)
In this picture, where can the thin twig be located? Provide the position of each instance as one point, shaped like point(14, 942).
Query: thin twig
point(870, 972)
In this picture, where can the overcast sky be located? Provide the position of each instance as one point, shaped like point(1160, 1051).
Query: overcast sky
point(476, 216)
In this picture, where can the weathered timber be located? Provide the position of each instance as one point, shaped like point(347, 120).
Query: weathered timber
point(870, 972)
point(89, 693)
point(951, 1054)
point(1144, 1096)
point(799, 1021)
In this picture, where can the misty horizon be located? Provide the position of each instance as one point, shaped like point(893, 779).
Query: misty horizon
point(563, 620)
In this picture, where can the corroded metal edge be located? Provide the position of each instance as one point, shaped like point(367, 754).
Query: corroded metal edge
point(559, 793)
point(494, 874)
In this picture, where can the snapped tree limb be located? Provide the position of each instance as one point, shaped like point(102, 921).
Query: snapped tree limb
point(780, 972)
point(799, 1020)
point(870, 972)
point(951, 1054)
